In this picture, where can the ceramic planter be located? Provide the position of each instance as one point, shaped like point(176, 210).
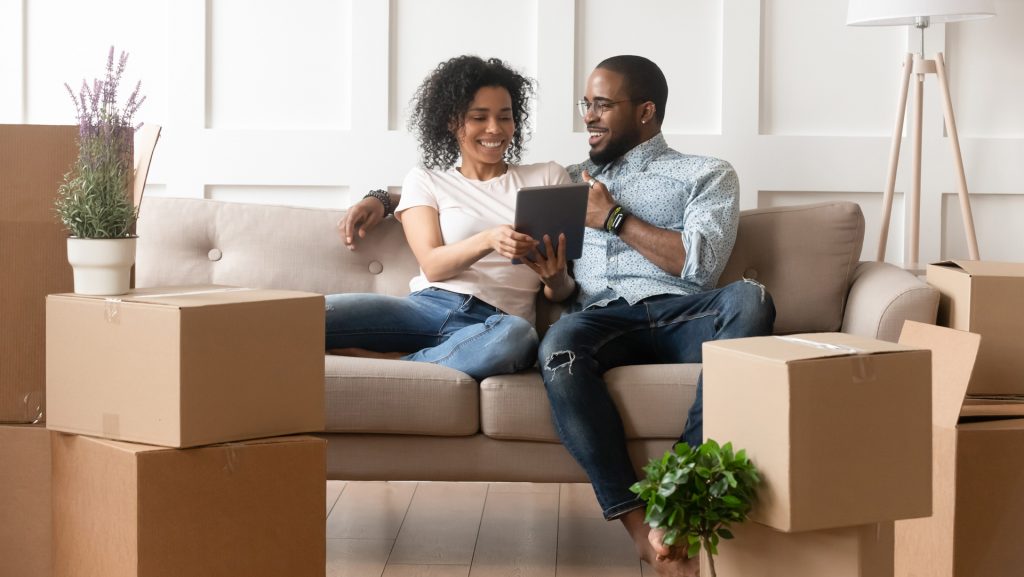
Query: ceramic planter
point(102, 266)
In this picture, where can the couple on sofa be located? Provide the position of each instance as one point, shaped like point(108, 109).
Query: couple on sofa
point(660, 228)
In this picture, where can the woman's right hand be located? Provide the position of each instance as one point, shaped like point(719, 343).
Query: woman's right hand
point(359, 220)
point(508, 243)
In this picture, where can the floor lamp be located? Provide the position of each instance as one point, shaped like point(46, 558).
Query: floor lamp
point(920, 13)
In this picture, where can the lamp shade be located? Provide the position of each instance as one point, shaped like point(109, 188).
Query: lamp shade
point(903, 12)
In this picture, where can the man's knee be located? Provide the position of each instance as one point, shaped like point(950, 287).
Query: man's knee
point(752, 305)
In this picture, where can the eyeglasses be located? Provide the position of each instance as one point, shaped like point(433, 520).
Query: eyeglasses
point(598, 106)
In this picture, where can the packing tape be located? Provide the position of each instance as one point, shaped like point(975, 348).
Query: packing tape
point(231, 458)
point(862, 370)
point(112, 311)
point(33, 403)
point(825, 346)
point(198, 292)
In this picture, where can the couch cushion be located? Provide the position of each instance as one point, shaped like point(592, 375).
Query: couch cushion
point(402, 397)
point(185, 241)
point(805, 255)
point(652, 399)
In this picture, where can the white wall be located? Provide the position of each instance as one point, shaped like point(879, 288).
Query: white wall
point(303, 101)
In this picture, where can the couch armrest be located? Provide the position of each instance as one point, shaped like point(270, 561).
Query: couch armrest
point(882, 296)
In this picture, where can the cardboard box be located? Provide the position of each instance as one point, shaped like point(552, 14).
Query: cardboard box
point(33, 259)
point(125, 510)
point(839, 426)
point(186, 366)
point(986, 298)
point(978, 472)
point(757, 550)
point(25, 510)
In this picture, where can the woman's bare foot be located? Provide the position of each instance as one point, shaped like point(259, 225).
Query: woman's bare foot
point(665, 561)
point(364, 353)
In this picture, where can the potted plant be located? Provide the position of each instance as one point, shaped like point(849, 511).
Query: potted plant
point(95, 201)
point(696, 494)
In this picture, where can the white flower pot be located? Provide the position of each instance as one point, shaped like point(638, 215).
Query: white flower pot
point(102, 266)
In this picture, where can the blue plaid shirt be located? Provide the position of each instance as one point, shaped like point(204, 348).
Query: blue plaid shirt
point(697, 196)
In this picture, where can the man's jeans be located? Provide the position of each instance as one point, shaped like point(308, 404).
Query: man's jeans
point(581, 346)
point(434, 326)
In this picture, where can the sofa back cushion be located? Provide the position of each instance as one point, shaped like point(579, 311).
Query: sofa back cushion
point(804, 255)
point(196, 241)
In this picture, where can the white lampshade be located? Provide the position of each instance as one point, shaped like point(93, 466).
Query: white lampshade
point(904, 12)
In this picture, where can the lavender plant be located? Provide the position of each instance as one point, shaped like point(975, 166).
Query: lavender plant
point(95, 200)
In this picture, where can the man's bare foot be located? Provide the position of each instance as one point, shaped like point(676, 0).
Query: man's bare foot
point(364, 353)
point(665, 561)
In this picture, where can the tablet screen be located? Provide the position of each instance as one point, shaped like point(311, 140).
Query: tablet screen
point(551, 210)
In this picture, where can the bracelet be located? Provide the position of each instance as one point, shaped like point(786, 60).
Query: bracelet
point(616, 216)
point(384, 198)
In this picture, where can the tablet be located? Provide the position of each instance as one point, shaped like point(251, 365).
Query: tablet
point(550, 210)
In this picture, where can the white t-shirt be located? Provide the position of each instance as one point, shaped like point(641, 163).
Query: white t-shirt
point(465, 207)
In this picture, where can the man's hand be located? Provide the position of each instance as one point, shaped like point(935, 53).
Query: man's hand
point(599, 203)
point(359, 220)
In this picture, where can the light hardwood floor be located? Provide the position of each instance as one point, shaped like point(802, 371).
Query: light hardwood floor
point(407, 529)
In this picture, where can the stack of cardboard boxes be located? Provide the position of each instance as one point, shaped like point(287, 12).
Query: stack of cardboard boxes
point(176, 399)
point(978, 426)
point(839, 428)
point(33, 263)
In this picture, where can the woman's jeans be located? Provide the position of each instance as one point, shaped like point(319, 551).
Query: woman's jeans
point(580, 347)
point(434, 326)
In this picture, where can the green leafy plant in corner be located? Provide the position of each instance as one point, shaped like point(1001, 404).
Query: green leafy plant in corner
point(95, 200)
point(696, 494)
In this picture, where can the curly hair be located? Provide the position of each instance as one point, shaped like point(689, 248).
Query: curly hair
point(443, 99)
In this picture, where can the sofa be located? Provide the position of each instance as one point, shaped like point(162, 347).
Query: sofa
point(401, 420)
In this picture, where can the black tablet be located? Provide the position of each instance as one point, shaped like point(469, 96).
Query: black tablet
point(551, 210)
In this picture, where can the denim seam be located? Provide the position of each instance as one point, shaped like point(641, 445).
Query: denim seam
point(486, 330)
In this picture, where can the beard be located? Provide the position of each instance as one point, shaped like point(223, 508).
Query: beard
point(616, 147)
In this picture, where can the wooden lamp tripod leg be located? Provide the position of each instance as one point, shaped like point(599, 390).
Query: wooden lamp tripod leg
point(954, 141)
point(894, 159)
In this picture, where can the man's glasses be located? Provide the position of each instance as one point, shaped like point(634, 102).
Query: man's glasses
point(599, 107)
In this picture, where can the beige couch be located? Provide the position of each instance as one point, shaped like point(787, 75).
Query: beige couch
point(393, 420)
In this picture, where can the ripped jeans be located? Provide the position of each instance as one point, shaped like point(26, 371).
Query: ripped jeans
point(434, 326)
point(581, 346)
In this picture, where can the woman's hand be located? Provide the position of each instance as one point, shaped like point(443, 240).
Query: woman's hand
point(552, 269)
point(508, 243)
point(359, 220)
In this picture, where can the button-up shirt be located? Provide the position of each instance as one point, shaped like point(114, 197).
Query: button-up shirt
point(697, 196)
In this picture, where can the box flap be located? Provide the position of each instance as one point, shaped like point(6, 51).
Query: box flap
point(953, 356)
point(792, 348)
point(983, 267)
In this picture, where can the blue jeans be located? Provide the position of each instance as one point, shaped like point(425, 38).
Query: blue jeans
point(434, 326)
point(580, 347)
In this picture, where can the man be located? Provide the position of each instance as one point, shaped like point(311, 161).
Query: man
point(660, 227)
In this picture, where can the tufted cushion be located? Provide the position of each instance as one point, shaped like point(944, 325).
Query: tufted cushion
point(263, 246)
point(805, 255)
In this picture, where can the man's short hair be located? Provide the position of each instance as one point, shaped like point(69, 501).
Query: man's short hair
point(644, 80)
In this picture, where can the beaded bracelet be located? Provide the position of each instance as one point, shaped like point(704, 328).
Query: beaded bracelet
point(384, 198)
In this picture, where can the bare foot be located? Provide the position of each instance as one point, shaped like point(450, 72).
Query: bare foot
point(364, 353)
point(665, 561)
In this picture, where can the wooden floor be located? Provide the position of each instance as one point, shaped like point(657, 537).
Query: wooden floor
point(407, 529)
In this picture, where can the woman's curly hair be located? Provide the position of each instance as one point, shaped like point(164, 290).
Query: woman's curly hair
point(443, 99)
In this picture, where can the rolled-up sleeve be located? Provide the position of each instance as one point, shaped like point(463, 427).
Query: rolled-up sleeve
point(709, 229)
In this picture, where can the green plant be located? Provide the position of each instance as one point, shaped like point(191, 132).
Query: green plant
point(697, 494)
point(95, 200)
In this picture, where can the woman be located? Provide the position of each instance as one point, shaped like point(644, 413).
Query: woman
point(470, 309)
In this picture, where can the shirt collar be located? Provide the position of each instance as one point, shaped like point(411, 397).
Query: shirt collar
point(637, 158)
